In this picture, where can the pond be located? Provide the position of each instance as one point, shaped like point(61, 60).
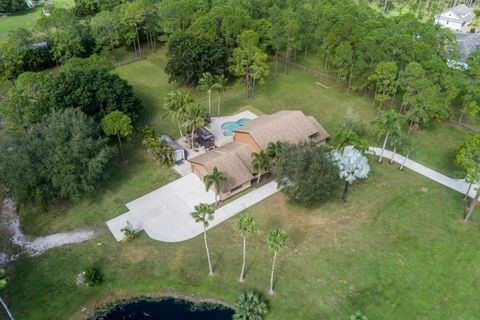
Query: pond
point(166, 309)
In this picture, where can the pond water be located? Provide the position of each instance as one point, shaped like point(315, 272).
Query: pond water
point(166, 309)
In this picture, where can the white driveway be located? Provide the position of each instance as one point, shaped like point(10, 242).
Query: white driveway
point(165, 214)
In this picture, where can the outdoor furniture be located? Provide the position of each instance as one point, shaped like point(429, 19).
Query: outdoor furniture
point(205, 138)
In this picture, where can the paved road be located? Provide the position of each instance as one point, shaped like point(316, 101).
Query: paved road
point(456, 184)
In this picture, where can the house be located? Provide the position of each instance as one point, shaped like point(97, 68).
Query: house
point(467, 44)
point(455, 18)
point(234, 159)
point(286, 126)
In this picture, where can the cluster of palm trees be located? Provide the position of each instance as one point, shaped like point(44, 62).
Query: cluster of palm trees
point(209, 82)
point(263, 160)
point(185, 112)
point(277, 239)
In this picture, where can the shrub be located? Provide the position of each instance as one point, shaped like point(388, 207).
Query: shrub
point(307, 173)
point(93, 277)
point(250, 306)
point(477, 12)
point(129, 233)
point(358, 316)
point(3, 281)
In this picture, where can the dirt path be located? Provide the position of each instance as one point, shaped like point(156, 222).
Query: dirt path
point(35, 246)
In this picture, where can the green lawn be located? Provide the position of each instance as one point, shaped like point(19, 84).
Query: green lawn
point(26, 18)
point(396, 249)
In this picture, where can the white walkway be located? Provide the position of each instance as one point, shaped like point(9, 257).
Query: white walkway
point(456, 184)
point(165, 214)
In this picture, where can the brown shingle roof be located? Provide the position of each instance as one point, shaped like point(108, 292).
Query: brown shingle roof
point(233, 159)
point(286, 126)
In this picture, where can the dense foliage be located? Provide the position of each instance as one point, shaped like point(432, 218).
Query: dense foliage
point(307, 173)
point(93, 277)
point(190, 56)
point(10, 6)
point(401, 56)
point(96, 91)
point(250, 306)
point(63, 156)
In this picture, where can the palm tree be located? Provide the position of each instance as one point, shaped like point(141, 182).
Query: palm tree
point(353, 165)
point(207, 83)
point(407, 147)
point(246, 225)
point(473, 204)
point(3, 283)
point(277, 240)
point(176, 103)
point(346, 136)
point(395, 142)
point(194, 116)
point(387, 123)
point(204, 213)
point(274, 149)
point(249, 306)
point(260, 163)
point(217, 179)
point(220, 85)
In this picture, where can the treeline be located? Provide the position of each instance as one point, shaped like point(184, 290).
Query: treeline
point(55, 146)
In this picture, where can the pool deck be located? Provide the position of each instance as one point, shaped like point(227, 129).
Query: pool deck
point(216, 126)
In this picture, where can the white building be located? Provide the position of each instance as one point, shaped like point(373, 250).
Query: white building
point(455, 18)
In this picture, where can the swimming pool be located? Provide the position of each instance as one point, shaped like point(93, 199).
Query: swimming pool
point(230, 126)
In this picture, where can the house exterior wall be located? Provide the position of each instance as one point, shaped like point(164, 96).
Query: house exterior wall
point(226, 195)
point(245, 138)
point(447, 23)
point(201, 172)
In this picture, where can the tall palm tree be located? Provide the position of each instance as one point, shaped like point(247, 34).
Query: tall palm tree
point(204, 213)
point(246, 225)
point(207, 83)
point(249, 306)
point(277, 240)
point(217, 179)
point(260, 163)
point(274, 149)
point(387, 123)
point(194, 115)
point(176, 103)
point(408, 148)
point(220, 85)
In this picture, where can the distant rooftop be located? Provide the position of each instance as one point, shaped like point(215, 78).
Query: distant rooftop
point(468, 43)
point(463, 12)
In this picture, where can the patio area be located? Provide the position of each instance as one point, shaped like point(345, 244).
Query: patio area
point(183, 168)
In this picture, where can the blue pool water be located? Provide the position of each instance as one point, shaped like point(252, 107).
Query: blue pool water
point(230, 126)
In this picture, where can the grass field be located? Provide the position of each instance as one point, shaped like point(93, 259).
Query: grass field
point(395, 250)
point(26, 18)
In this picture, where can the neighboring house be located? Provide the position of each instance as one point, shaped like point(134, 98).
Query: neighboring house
point(234, 159)
point(467, 44)
point(455, 18)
